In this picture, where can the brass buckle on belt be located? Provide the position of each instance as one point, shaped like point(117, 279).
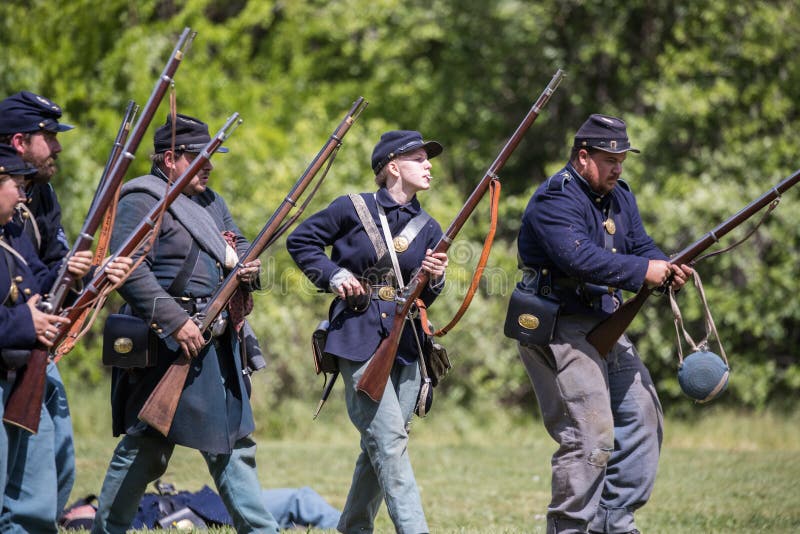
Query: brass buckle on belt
point(387, 293)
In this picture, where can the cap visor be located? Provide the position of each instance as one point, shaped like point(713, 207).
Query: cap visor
point(196, 149)
point(27, 171)
point(432, 148)
point(635, 150)
point(63, 127)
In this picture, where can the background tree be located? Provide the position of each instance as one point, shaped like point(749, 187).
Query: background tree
point(708, 90)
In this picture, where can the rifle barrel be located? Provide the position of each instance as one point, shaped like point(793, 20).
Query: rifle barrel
point(373, 381)
point(105, 194)
point(159, 409)
point(605, 334)
point(134, 241)
point(225, 291)
point(119, 142)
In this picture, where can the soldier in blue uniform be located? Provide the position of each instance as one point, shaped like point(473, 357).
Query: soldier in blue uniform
point(186, 264)
point(28, 474)
point(21, 277)
point(368, 284)
point(581, 241)
point(29, 122)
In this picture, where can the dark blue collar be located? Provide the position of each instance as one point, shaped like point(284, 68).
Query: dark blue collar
point(596, 198)
point(385, 199)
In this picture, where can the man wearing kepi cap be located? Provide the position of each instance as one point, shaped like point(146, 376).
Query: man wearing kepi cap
point(30, 123)
point(580, 243)
point(186, 264)
point(378, 241)
point(28, 464)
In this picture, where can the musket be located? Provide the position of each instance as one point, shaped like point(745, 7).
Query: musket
point(54, 300)
point(119, 143)
point(32, 376)
point(159, 409)
point(605, 334)
point(376, 375)
point(108, 221)
point(22, 409)
point(110, 214)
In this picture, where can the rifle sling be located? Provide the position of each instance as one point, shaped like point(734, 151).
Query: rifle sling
point(182, 278)
point(23, 215)
point(494, 197)
point(10, 258)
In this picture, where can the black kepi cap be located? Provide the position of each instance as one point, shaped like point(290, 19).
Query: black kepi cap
point(191, 135)
point(397, 142)
point(27, 112)
point(12, 163)
point(603, 132)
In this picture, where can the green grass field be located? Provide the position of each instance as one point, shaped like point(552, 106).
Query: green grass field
point(724, 472)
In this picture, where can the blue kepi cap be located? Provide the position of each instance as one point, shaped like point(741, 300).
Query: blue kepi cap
point(11, 163)
point(603, 132)
point(397, 142)
point(191, 135)
point(27, 112)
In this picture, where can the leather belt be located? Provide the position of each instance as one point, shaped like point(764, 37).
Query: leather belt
point(192, 305)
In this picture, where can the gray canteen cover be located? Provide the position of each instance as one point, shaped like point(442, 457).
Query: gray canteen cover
point(703, 376)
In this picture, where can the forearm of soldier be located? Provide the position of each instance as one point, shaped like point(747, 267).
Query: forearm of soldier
point(150, 302)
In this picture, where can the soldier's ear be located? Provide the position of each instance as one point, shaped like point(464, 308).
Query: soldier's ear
point(582, 158)
point(169, 159)
point(19, 141)
point(394, 168)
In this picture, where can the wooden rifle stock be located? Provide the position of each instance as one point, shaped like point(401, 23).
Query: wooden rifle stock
point(376, 375)
point(605, 334)
point(24, 410)
point(25, 391)
point(159, 409)
point(31, 378)
point(105, 193)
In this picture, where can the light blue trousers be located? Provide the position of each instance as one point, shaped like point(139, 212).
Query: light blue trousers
point(139, 460)
point(383, 469)
point(30, 498)
point(41, 466)
point(607, 420)
point(300, 507)
point(64, 448)
point(5, 391)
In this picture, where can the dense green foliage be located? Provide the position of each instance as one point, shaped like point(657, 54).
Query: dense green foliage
point(708, 89)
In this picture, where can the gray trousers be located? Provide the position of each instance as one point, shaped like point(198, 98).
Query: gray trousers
point(607, 420)
point(383, 469)
point(140, 460)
